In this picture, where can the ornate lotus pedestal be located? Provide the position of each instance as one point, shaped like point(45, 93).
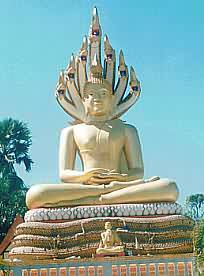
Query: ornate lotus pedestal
point(156, 237)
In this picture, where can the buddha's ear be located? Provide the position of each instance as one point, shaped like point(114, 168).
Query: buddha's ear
point(112, 97)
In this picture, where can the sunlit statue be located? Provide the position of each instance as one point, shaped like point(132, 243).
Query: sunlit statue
point(110, 242)
point(109, 149)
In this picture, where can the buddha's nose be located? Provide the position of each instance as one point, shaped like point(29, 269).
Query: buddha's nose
point(97, 97)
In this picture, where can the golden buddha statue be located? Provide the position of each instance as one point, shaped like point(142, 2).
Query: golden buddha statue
point(109, 149)
point(110, 242)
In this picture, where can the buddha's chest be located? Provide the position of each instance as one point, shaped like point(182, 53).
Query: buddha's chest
point(102, 138)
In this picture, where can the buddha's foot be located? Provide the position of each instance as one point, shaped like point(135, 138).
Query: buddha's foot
point(161, 190)
point(153, 178)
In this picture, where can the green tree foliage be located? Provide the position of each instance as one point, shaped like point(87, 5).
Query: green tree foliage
point(15, 141)
point(199, 242)
point(4, 268)
point(194, 206)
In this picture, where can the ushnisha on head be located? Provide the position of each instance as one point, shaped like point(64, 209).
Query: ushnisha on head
point(96, 96)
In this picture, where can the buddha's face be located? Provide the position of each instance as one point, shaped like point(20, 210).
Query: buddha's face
point(97, 100)
point(108, 226)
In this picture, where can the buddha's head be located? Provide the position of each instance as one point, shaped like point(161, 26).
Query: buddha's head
point(97, 99)
point(108, 225)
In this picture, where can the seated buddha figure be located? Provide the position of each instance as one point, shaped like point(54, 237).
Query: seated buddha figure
point(110, 242)
point(109, 148)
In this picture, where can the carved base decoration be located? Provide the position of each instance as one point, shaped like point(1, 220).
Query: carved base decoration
point(180, 264)
point(117, 210)
point(143, 235)
point(102, 255)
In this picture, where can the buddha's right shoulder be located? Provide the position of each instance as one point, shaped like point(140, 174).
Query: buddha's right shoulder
point(67, 130)
point(70, 129)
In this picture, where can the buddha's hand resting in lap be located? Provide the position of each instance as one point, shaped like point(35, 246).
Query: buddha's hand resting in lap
point(106, 177)
point(89, 176)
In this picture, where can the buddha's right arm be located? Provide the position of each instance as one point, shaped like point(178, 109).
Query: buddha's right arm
point(67, 156)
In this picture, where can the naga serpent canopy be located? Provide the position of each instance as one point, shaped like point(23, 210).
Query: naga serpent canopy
point(72, 81)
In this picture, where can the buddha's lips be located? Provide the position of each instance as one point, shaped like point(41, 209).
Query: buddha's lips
point(98, 103)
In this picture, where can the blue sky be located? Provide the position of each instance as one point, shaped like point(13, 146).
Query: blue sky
point(164, 42)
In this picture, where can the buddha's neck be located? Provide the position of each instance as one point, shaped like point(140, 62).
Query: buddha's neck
point(94, 119)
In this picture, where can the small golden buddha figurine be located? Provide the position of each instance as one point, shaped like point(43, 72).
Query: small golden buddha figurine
point(110, 242)
point(109, 149)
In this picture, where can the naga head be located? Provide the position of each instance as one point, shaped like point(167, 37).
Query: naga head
point(93, 95)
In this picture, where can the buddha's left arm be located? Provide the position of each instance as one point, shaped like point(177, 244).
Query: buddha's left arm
point(133, 154)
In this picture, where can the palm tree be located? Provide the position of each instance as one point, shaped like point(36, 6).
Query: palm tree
point(15, 141)
point(194, 206)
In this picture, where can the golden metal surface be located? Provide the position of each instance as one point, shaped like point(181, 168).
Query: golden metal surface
point(110, 149)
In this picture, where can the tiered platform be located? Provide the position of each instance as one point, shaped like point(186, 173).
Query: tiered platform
point(144, 229)
point(180, 264)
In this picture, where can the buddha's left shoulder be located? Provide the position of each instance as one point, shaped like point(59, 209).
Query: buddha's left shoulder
point(130, 129)
point(123, 125)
